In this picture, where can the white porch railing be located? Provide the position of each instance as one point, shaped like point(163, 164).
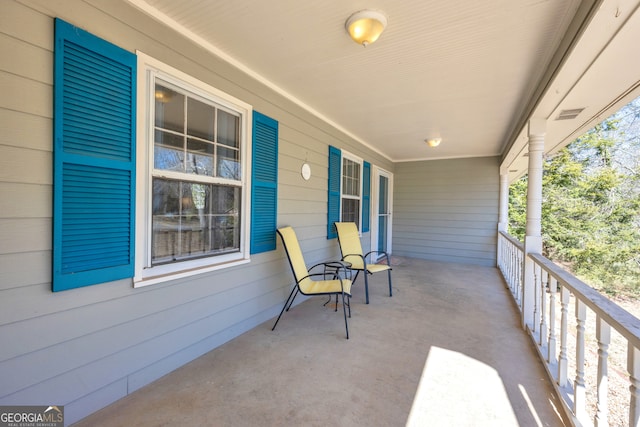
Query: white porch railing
point(510, 262)
point(554, 291)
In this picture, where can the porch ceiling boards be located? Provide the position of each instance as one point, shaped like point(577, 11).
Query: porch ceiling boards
point(469, 72)
point(459, 70)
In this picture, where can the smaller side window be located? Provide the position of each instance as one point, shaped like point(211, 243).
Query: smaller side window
point(351, 194)
point(348, 191)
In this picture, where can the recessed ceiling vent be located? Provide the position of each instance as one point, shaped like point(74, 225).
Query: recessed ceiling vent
point(569, 114)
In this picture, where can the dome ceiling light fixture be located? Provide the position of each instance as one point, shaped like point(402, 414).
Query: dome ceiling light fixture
point(433, 142)
point(365, 26)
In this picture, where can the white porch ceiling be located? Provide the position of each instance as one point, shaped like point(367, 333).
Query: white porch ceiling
point(460, 70)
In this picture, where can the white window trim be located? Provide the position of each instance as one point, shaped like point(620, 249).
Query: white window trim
point(145, 274)
point(360, 161)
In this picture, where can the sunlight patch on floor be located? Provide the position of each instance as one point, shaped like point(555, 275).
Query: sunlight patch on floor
point(456, 390)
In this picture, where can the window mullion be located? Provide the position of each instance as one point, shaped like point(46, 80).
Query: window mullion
point(185, 139)
point(215, 142)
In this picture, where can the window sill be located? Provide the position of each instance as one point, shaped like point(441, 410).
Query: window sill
point(150, 279)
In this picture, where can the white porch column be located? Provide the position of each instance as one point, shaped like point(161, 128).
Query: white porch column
point(504, 200)
point(533, 238)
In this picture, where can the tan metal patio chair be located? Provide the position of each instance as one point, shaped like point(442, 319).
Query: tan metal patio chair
point(352, 253)
point(336, 285)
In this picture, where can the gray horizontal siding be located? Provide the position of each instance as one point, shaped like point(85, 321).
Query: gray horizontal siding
point(447, 210)
point(87, 347)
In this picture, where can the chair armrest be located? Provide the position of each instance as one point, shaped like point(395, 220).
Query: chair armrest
point(384, 254)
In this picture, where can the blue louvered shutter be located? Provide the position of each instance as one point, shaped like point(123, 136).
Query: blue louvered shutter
point(333, 205)
point(264, 183)
point(366, 196)
point(94, 159)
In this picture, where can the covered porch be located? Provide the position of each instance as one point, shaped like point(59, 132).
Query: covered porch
point(447, 349)
point(495, 81)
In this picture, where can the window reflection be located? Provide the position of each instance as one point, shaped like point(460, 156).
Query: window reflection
point(192, 220)
point(191, 217)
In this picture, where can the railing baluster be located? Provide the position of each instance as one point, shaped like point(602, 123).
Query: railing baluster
point(511, 254)
point(551, 350)
point(564, 335)
point(520, 282)
point(633, 366)
point(513, 259)
point(500, 251)
point(536, 299)
point(579, 406)
point(506, 259)
point(518, 277)
point(603, 335)
point(512, 270)
point(543, 306)
point(509, 266)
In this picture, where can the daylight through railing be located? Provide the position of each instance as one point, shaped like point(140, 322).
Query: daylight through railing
point(576, 346)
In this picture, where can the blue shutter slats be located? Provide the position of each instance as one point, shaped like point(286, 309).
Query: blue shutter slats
point(366, 196)
point(264, 183)
point(94, 159)
point(97, 106)
point(96, 203)
point(333, 204)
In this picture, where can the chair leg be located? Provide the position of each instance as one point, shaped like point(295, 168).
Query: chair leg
point(285, 305)
point(294, 297)
point(355, 277)
point(366, 285)
point(344, 309)
point(390, 288)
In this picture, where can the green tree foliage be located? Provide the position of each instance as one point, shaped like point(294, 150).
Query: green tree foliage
point(591, 205)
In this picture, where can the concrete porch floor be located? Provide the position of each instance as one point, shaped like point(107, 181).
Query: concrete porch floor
point(445, 350)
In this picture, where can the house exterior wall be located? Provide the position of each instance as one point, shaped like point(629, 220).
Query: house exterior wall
point(447, 210)
point(85, 348)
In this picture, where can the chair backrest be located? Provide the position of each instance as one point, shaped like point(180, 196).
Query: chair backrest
point(349, 241)
point(294, 253)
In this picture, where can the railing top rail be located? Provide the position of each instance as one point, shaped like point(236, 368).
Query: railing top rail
point(617, 317)
point(512, 239)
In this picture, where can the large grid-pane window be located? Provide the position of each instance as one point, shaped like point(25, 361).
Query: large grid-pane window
point(196, 177)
